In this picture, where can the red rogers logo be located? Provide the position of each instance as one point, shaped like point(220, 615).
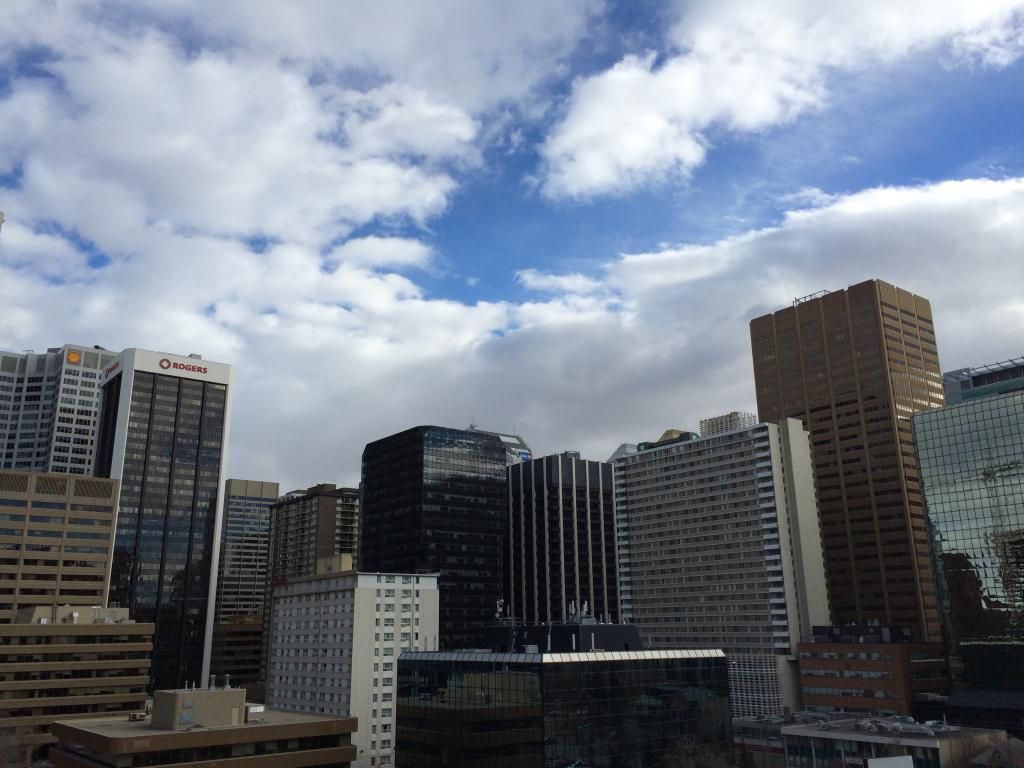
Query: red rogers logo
point(165, 364)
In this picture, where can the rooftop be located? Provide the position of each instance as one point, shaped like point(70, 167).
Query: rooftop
point(560, 658)
point(123, 728)
point(885, 729)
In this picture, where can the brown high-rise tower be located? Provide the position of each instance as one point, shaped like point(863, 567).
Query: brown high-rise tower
point(854, 365)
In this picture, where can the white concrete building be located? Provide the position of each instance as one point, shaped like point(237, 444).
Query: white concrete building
point(49, 402)
point(335, 639)
point(725, 550)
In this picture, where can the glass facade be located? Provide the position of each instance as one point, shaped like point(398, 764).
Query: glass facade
point(549, 711)
point(972, 464)
point(165, 527)
point(434, 501)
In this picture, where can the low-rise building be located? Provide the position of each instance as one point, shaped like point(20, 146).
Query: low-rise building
point(205, 728)
point(869, 669)
point(859, 743)
point(335, 640)
point(69, 662)
point(529, 709)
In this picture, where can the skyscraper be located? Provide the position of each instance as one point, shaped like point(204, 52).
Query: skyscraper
point(561, 540)
point(972, 469)
point(726, 552)
point(48, 407)
point(854, 366)
point(435, 501)
point(163, 433)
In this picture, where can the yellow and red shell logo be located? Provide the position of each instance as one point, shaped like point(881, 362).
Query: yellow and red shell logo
point(74, 356)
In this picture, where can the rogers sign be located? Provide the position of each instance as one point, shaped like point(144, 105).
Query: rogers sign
point(166, 364)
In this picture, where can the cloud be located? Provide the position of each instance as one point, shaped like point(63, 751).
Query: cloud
point(383, 252)
point(577, 283)
point(744, 66)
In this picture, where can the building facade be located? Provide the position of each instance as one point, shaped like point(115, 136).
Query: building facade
point(870, 670)
point(984, 380)
point(972, 470)
point(335, 640)
point(56, 538)
point(854, 366)
point(164, 433)
point(561, 541)
point(69, 662)
point(241, 582)
point(533, 710)
point(49, 404)
point(435, 501)
point(205, 728)
point(310, 525)
point(862, 742)
point(726, 553)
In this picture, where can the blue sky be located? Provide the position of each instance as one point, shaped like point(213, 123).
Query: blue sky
point(553, 216)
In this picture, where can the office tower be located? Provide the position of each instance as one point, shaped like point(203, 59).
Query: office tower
point(434, 501)
point(984, 380)
point(561, 550)
point(206, 727)
point(854, 366)
point(870, 669)
point(64, 662)
point(335, 642)
point(163, 432)
point(516, 449)
point(726, 553)
point(56, 536)
point(48, 408)
point(972, 471)
point(241, 581)
point(533, 709)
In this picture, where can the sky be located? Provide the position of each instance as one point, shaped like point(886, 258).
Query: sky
point(553, 217)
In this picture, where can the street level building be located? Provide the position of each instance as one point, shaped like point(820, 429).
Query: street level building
point(870, 669)
point(335, 642)
point(854, 366)
point(532, 709)
point(56, 537)
point(435, 501)
point(205, 728)
point(49, 403)
point(972, 469)
point(561, 540)
point(164, 434)
point(868, 742)
point(726, 553)
point(69, 662)
point(242, 581)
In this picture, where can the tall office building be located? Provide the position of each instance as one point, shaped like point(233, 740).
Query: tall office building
point(335, 642)
point(164, 434)
point(561, 551)
point(972, 470)
point(434, 501)
point(56, 536)
point(726, 553)
point(48, 408)
point(854, 366)
point(242, 581)
point(307, 526)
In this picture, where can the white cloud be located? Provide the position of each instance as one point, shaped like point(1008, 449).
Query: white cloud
point(380, 252)
point(746, 66)
point(577, 283)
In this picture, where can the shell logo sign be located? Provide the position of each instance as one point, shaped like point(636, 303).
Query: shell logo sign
point(74, 356)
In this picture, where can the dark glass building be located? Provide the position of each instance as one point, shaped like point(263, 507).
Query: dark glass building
point(434, 501)
point(561, 540)
point(972, 467)
point(551, 710)
point(163, 433)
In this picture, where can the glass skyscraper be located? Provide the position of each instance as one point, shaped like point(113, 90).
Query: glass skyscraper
point(434, 501)
point(163, 433)
point(972, 467)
